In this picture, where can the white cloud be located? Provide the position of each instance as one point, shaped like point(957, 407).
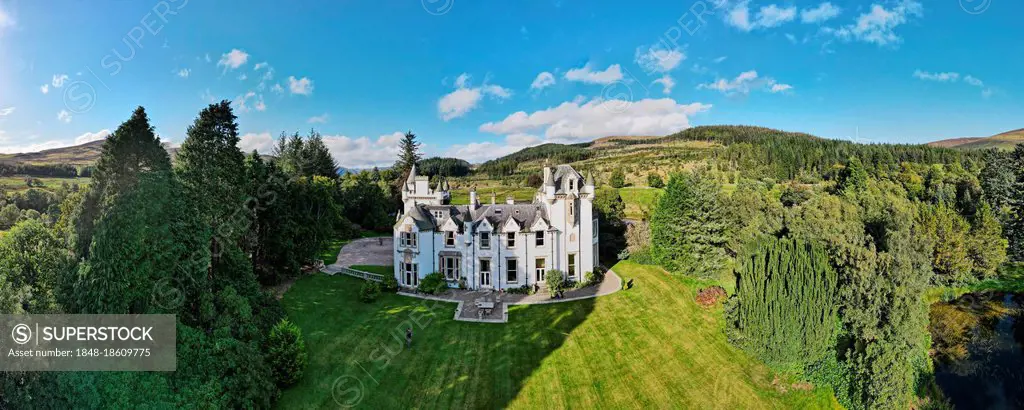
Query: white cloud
point(587, 75)
point(241, 102)
point(259, 66)
point(59, 80)
point(45, 88)
point(303, 86)
point(242, 77)
point(746, 82)
point(657, 59)
point(878, 26)
point(64, 116)
point(667, 82)
point(940, 77)
point(13, 149)
point(6, 111)
point(466, 98)
point(458, 103)
point(6, 20)
point(476, 152)
point(579, 120)
point(773, 16)
point(543, 81)
point(952, 77)
point(319, 119)
point(824, 12)
point(262, 142)
point(363, 152)
point(720, 59)
point(767, 16)
point(277, 88)
point(92, 136)
point(184, 73)
point(233, 59)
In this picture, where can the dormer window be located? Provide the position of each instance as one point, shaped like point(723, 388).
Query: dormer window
point(497, 211)
point(449, 239)
point(572, 184)
point(510, 240)
point(437, 214)
point(540, 238)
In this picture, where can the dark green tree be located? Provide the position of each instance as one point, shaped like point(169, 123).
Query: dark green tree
point(611, 215)
point(409, 155)
point(784, 310)
point(688, 228)
point(130, 151)
point(286, 353)
point(618, 178)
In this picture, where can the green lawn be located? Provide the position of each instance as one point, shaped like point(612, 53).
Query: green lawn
point(638, 199)
point(17, 183)
point(650, 346)
point(461, 196)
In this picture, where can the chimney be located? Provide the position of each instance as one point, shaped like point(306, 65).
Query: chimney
point(509, 200)
point(493, 197)
point(473, 203)
point(547, 175)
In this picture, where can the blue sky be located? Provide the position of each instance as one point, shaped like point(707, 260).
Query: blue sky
point(478, 79)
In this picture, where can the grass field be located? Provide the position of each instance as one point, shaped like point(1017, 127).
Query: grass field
point(648, 347)
point(638, 200)
point(17, 183)
point(460, 196)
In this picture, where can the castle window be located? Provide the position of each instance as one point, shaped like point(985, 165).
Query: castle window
point(449, 238)
point(572, 184)
point(540, 238)
point(510, 239)
point(572, 266)
point(511, 271)
point(450, 267)
point(485, 240)
point(408, 239)
point(437, 214)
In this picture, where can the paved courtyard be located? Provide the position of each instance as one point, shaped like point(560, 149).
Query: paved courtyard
point(366, 251)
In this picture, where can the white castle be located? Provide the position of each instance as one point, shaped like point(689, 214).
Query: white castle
point(497, 245)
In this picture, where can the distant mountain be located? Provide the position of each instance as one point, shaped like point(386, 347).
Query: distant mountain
point(1006, 141)
point(85, 154)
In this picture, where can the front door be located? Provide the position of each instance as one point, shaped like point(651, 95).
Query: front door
point(540, 272)
point(411, 279)
point(485, 273)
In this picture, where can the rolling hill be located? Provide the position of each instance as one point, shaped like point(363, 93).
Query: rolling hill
point(1006, 141)
point(85, 154)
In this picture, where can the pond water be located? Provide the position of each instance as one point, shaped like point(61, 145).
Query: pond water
point(978, 350)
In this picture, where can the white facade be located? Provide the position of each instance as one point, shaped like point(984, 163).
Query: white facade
point(498, 245)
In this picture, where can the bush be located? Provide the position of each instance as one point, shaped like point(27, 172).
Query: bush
point(595, 277)
point(286, 353)
point(522, 290)
point(708, 297)
point(369, 291)
point(555, 280)
point(618, 179)
point(433, 284)
point(390, 284)
point(655, 181)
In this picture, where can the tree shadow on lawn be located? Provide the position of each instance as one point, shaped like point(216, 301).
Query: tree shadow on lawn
point(358, 356)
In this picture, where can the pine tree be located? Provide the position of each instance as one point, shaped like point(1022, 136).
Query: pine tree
point(1015, 217)
point(131, 150)
point(408, 156)
point(688, 228)
point(317, 158)
point(212, 173)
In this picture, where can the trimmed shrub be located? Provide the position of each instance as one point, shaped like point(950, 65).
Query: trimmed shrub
point(555, 280)
point(390, 284)
point(369, 291)
point(286, 353)
point(433, 284)
point(522, 290)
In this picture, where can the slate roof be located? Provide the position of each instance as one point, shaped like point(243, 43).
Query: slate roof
point(561, 177)
point(524, 214)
